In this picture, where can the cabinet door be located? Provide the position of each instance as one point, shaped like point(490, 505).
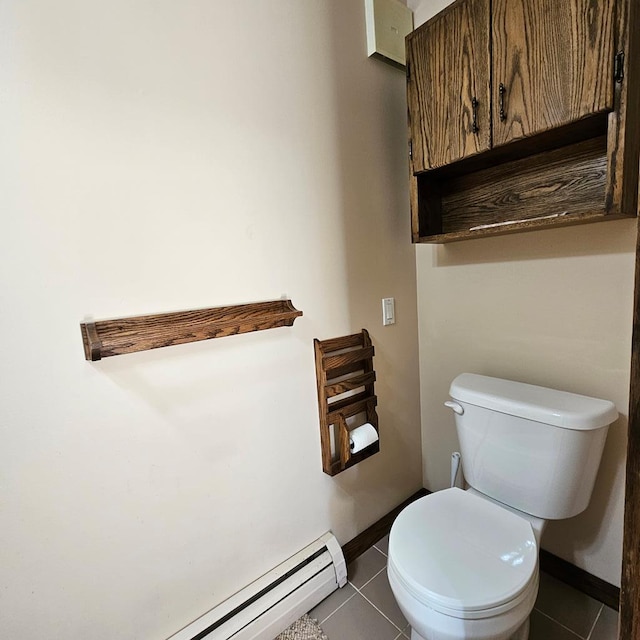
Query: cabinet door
point(448, 85)
point(552, 64)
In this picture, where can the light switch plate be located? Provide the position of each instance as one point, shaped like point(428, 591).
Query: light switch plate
point(389, 22)
point(388, 311)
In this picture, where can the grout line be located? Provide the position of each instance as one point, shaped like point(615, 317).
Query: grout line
point(371, 603)
point(380, 550)
point(369, 580)
point(542, 613)
point(382, 614)
point(595, 622)
point(338, 607)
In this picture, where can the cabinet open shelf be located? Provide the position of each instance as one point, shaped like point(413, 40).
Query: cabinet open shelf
point(555, 187)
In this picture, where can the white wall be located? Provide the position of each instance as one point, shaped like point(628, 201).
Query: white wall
point(552, 308)
point(160, 156)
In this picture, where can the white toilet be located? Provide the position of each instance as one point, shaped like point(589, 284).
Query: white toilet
point(463, 565)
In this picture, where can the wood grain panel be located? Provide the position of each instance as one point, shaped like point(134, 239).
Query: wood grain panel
point(622, 198)
point(520, 227)
point(449, 65)
point(106, 338)
point(321, 382)
point(630, 589)
point(624, 122)
point(331, 362)
point(350, 406)
point(350, 384)
point(344, 370)
point(567, 181)
point(343, 342)
point(555, 60)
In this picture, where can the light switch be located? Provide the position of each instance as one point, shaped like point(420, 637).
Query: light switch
point(389, 22)
point(388, 311)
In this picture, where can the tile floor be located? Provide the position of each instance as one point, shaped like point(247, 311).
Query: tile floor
point(365, 608)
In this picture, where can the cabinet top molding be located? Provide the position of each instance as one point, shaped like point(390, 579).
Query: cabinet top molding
point(105, 338)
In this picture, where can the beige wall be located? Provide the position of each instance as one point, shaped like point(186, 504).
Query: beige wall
point(552, 308)
point(160, 156)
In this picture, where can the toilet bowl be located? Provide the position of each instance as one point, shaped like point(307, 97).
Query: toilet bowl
point(461, 567)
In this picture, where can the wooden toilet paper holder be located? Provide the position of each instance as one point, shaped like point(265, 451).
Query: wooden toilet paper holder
point(345, 379)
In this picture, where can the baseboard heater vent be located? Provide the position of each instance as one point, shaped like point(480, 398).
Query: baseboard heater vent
point(270, 604)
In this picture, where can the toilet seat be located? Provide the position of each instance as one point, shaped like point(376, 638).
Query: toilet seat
point(463, 556)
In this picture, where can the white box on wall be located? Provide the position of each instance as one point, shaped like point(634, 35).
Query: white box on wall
point(389, 22)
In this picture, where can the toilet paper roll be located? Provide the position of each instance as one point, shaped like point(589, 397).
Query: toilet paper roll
point(362, 437)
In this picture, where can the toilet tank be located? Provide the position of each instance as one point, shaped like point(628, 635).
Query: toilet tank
point(532, 448)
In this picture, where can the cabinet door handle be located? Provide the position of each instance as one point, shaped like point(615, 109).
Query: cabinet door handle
point(618, 72)
point(474, 106)
point(502, 90)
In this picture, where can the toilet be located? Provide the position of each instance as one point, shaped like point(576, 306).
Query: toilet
point(463, 564)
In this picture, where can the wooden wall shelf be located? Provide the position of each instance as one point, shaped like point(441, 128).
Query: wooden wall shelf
point(344, 366)
point(106, 338)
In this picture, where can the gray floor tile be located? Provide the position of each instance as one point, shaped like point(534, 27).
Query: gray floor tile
point(383, 545)
point(379, 593)
point(607, 625)
point(543, 628)
point(323, 610)
point(363, 568)
point(571, 608)
point(562, 613)
point(358, 620)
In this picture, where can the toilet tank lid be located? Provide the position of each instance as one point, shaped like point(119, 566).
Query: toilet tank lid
point(549, 406)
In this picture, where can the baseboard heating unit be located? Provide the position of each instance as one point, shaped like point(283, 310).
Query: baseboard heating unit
point(270, 604)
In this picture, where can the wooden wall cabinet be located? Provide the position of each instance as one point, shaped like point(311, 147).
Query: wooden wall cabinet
point(552, 64)
point(448, 88)
point(523, 114)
